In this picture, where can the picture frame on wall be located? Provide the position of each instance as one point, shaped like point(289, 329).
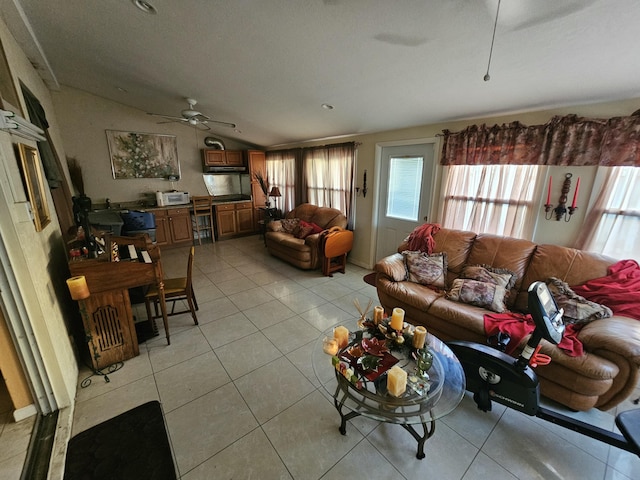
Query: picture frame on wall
point(33, 178)
point(143, 155)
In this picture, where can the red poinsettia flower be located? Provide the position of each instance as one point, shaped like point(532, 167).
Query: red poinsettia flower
point(374, 346)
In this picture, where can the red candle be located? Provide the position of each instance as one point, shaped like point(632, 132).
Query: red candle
point(575, 194)
point(549, 191)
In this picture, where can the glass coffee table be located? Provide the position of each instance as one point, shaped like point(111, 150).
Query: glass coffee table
point(358, 390)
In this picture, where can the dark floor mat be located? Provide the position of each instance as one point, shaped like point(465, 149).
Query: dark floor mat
point(133, 445)
point(370, 278)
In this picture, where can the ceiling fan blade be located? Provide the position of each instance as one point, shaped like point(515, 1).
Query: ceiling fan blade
point(168, 117)
point(224, 124)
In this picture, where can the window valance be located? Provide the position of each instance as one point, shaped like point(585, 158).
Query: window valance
point(567, 140)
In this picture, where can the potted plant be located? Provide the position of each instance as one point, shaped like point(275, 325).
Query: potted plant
point(264, 186)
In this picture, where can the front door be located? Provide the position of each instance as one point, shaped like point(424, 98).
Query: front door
point(406, 179)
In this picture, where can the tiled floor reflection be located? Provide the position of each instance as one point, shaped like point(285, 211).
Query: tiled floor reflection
point(241, 400)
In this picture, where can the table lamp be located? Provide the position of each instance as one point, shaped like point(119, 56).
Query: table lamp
point(275, 192)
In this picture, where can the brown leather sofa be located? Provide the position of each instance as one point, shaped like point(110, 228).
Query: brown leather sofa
point(304, 253)
point(604, 376)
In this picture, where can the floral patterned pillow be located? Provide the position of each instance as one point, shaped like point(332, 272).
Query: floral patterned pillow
point(290, 224)
point(484, 273)
point(480, 294)
point(426, 269)
point(577, 309)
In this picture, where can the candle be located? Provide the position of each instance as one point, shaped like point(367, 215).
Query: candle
point(341, 335)
point(78, 287)
point(549, 191)
point(378, 314)
point(330, 346)
point(419, 337)
point(397, 318)
point(575, 194)
point(396, 381)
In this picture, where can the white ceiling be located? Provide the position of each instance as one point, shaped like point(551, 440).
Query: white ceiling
point(269, 65)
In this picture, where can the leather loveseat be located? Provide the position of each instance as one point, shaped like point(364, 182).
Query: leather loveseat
point(287, 240)
point(607, 372)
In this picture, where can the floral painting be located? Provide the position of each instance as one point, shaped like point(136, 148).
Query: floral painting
point(143, 155)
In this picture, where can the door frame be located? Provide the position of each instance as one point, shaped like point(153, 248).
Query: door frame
point(435, 184)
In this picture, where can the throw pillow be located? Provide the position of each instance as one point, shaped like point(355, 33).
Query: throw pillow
point(480, 294)
point(302, 232)
point(290, 224)
point(577, 309)
point(314, 227)
point(426, 269)
point(484, 273)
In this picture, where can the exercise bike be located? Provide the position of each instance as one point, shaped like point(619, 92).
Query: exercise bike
point(493, 375)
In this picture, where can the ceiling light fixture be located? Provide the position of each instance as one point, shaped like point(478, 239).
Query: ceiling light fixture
point(487, 77)
point(326, 106)
point(145, 6)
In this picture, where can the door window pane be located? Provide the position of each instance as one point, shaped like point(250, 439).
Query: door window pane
point(405, 178)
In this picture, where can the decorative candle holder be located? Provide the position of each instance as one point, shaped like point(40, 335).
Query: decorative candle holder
point(562, 211)
point(424, 360)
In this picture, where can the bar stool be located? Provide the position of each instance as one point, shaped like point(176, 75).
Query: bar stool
point(202, 220)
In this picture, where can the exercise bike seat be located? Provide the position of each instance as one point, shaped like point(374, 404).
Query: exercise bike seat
point(629, 424)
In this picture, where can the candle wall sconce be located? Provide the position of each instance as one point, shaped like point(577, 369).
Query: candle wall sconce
point(364, 186)
point(562, 211)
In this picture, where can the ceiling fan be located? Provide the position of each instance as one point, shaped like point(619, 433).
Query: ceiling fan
point(190, 116)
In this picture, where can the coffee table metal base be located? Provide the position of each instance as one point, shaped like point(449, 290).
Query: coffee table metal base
point(429, 428)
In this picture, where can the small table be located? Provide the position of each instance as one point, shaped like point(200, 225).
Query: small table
point(447, 387)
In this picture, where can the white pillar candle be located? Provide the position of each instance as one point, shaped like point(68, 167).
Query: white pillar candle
point(419, 337)
point(396, 381)
point(378, 314)
point(397, 319)
point(341, 334)
point(330, 346)
point(78, 287)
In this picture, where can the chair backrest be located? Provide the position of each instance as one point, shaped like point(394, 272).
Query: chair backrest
point(192, 253)
point(202, 204)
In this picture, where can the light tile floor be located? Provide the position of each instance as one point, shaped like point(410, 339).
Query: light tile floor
point(241, 400)
point(14, 437)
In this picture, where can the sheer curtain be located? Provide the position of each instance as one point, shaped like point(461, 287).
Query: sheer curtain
point(612, 227)
point(494, 199)
point(329, 176)
point(281, 172)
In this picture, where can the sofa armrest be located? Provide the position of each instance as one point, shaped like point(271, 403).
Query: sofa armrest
point(616, 334)
point(392, 267)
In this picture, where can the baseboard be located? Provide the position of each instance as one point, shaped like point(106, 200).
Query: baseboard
point(24, 412)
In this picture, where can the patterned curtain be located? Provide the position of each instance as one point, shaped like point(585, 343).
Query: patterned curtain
point(568, 140)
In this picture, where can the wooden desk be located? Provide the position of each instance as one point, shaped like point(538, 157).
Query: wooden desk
point(106, 313)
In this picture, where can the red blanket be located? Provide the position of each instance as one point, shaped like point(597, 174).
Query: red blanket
point(421, 239)
point(620, 290)
point(517, 326)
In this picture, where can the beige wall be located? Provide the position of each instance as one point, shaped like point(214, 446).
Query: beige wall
point(84, 119)
point(38, 259)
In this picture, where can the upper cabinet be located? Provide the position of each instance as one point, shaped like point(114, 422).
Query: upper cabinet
point(222, 158)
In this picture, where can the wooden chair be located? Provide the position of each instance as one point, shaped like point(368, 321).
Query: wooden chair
point(336, 243)
point(175, 289)
point(202, 220)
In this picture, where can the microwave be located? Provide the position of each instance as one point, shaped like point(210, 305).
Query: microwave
point(165, 199)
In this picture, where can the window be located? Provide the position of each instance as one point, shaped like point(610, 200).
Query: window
point(405, 178)
point(613, 226)
point(494, 199)
point(281, 172)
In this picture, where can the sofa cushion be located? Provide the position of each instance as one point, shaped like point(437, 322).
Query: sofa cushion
point(577, 309)
point(275, 226)
point(426, 269)
point(485, 273)
point(302, 231)
point(480, 294)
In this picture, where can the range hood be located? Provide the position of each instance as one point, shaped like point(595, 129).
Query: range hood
point(225, 169)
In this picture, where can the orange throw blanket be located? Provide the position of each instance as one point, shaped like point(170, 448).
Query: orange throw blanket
point(518, 326)
point(421, 239)
point(620, 290)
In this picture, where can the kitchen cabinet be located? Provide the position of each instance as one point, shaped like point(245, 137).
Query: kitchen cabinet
point(173, 226)
point(222, 158)
point(257, 163)
point(234, 219)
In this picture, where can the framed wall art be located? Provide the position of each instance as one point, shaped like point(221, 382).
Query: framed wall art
point(143, 155)
point(33, 178)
